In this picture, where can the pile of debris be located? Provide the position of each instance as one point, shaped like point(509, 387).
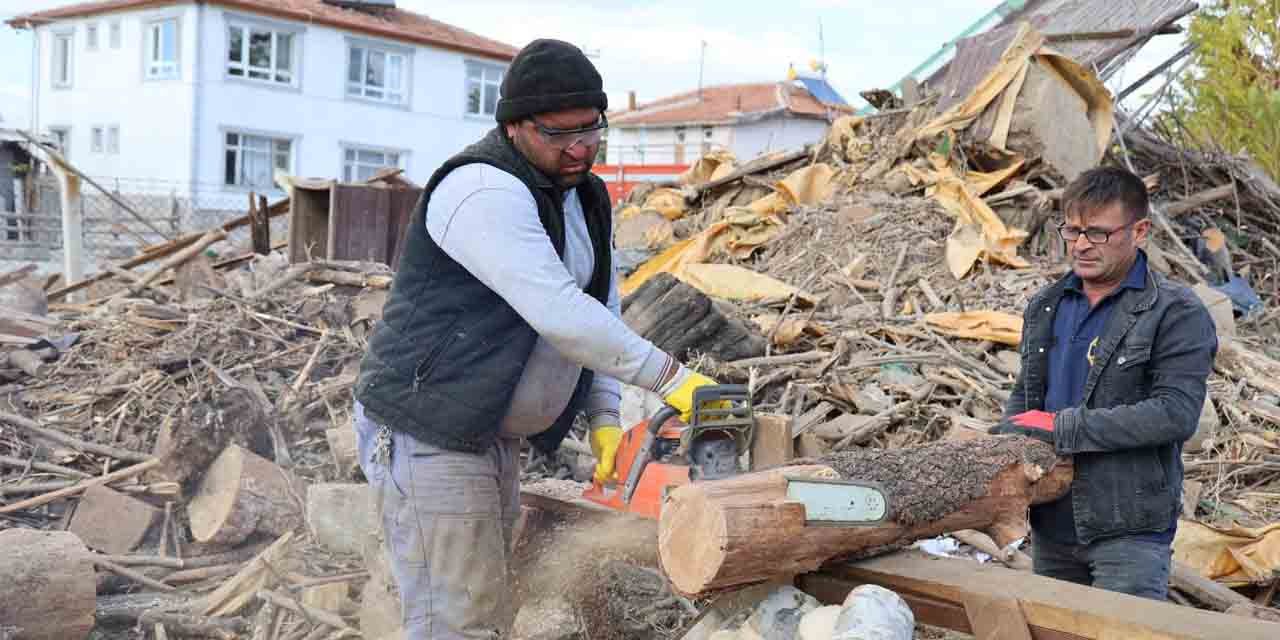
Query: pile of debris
point(874, 283)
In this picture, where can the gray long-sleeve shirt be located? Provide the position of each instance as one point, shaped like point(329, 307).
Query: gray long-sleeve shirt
point(487, 220)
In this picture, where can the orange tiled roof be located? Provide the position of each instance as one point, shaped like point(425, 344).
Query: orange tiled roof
point(730, 103)
point(388, 23)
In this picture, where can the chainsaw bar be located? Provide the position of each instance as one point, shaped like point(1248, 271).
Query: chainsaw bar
point(848, 503)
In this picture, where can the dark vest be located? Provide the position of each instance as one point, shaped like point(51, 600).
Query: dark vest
point(444, 362)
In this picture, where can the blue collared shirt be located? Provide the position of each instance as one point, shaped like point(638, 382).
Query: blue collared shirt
point(1077, 331)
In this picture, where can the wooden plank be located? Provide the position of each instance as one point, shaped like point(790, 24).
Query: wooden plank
point(1053, 608)
point(403, 202)
point(772, 445)
point(359, 222)
point(995, 618)
point(308, 223)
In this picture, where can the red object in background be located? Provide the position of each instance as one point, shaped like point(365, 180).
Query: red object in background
point(622, 178)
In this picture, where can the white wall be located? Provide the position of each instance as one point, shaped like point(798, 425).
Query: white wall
point(108, 89)
point(320, 116)
point(660, 144)
point(158, 119)
point(775, 134)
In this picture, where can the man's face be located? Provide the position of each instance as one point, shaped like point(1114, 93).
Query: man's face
point(1104, 262)
point(567, 165)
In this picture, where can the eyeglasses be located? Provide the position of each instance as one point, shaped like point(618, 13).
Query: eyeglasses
point(1093, 235)
point(565, 139)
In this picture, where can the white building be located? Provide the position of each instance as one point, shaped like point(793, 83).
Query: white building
point(216, 95)
point(747, 119)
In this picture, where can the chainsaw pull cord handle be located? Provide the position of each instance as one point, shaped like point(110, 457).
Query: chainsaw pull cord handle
point(645, 452)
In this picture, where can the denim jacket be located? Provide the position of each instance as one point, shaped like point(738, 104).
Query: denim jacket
point(1142, 400)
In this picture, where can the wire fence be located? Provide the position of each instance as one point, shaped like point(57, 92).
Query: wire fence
point(121, 218)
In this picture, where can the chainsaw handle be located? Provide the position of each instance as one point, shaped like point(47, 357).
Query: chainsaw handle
point(645, 453)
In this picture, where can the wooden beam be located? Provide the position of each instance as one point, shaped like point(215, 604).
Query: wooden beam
point(1197, 200)
point(937, 589)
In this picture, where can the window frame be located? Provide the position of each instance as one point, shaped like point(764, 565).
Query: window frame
point(115, 34)
point(62, 132)
point(247, 25)
point(150, 66)
point(97, 138)
point(70, 59)
point(273, 137)
point(484, 66)
point(112, 145)
point(402, 158)
point(406, 55)
point(92, 35)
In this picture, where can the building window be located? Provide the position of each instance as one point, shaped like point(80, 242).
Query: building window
point(358, 165)
point(114, 34)
point(251, 160)
point(96, 135)
point(260, 54)
point(62, 61)
point(377, 74)
point(483, 81)
point(62, 136)
point(162, 49)
point(91, 37)
point(113, 139)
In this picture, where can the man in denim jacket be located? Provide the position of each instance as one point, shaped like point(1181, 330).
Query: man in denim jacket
point(1115, 359)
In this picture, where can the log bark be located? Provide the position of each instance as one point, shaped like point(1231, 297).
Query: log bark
point(242, 493)
point(742, 530)
point(48, 586)
point(682, 321)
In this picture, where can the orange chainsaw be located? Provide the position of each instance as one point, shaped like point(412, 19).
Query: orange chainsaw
point(661, 453)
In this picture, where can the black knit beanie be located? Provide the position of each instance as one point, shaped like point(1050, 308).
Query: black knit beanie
point(549, 75)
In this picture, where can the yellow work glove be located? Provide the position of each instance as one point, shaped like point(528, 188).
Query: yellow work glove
point(678, 392)
point(604, 446)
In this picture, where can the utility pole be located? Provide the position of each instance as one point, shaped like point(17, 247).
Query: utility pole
point(702, 59)
point(822, 51)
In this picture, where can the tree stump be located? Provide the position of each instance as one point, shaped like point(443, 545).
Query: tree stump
point(743, 530)
point(681, 320)
point(242, 493)
point(47, 591)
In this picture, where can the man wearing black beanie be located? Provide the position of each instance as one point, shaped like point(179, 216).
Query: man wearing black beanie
point(503, 324)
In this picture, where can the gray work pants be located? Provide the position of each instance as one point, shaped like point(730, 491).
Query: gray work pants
point(447, 518)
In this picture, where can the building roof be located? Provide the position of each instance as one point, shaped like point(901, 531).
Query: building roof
point(387, 23)
point(728, 104)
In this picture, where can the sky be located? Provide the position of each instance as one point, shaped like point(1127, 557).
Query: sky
point(655, 47)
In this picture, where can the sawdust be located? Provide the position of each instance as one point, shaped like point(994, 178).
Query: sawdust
point(606, 569)
point(952, 472)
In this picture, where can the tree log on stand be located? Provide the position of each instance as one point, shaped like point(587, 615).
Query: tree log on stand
point(47, 590)
point(742, 530)
point(242, 493)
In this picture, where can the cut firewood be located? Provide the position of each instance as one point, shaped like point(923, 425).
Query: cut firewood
point(48, 588)
point(186, 447)
point(681, 320)
point(743, 530)
point(110, 521)
point(342, 445)
point(242, 493)
point(231, 596)
point(340, 515)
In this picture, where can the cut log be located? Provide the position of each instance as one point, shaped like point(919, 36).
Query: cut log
point(48, 586)
point(342, 444)
point(742, 530)
point(242, 493)
point(340, 515)
point(683, 321)
point(110, 521)
point(187, 446)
